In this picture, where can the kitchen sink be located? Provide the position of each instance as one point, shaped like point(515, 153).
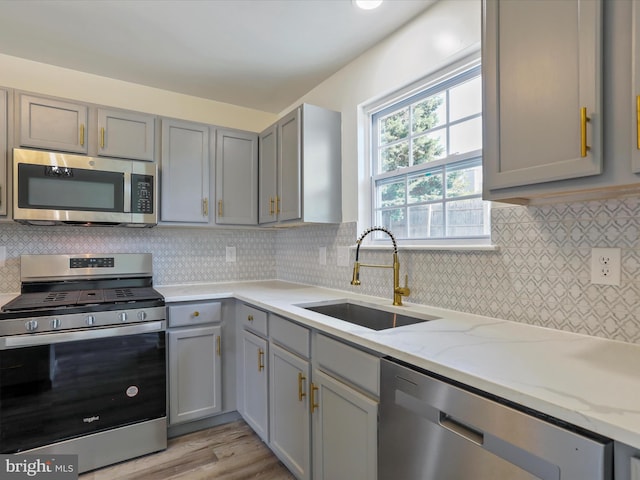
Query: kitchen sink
point(373, 318)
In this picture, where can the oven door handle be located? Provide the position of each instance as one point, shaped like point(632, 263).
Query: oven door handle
point(37, 339)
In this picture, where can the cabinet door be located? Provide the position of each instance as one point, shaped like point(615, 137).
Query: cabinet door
point(254, 405)
point(236, 177)
point(3, 151)
point(288, 203)
point(345, 431)
point(126, 134)
point(268, 167)
point(535, 87)
point(289, 427)
point(52, 124)
point(195, 373)
point(184, 172)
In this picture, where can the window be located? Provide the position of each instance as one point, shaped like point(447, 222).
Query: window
point(426, 154)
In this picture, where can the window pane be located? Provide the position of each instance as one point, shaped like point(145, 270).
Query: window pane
point(394, 127)
point(425, 187)
point(390, 194)
point(393, 220)
point(465, 99)
point(394, 157)
point(466, 218)
point(429, 147)
point(466, 136)
point(429, 113)
point(426, 221)
point(464, 180)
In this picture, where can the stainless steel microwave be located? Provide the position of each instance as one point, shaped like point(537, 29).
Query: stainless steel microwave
point(57, 188)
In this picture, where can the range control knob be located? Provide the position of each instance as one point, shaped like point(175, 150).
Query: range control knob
point(90, 320)
point(55, 323)
point(122, 316)
point(31, 325)
point(142, 315)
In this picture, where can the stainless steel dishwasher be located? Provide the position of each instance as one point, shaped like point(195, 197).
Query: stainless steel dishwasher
point(431, 429)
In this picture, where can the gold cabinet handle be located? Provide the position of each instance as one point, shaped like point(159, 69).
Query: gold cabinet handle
point(277, 204)
point(218, 346)
point(205, 207)
point(82, 134)
point(584, 148)
point(301, 393)
point(260, 359)
point(638, 121)
point(102, 137)
point(312, 404)
point(219, 208)
point(250, 318)
point(196, 313)
point(272, 206)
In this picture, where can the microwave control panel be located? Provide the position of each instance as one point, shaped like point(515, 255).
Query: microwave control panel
point(141, 193)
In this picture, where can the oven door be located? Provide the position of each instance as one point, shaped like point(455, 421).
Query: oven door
point(60, 386)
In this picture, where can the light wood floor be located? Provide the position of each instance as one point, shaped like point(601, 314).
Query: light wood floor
point(227, 452)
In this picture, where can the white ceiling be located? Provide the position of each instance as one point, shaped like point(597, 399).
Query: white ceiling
point(262, 54)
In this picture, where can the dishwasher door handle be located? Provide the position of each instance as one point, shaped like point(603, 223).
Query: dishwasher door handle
point(460, 428)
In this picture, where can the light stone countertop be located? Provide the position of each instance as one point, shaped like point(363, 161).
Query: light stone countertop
point(587, 381)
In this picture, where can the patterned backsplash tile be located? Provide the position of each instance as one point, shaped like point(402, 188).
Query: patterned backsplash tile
point(540, 274)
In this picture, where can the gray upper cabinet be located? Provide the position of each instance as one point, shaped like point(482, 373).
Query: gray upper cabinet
point(4, 133)
point(126, 134)
point(52, 124)
point(184, 172)
point(308, 168)
point(268, 175)
point(236, 177)
point(543, 116)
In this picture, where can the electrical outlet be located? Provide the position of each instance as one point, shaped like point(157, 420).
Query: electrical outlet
point(231, 254)
point(322, 255)
point(605, 266)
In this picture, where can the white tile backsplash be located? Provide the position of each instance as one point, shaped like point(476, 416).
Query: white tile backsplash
point(540, 275)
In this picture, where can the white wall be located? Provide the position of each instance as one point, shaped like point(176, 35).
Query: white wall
point(62, 82)
point(444, 33)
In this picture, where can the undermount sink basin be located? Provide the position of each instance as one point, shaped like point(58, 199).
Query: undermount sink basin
point(373, 318)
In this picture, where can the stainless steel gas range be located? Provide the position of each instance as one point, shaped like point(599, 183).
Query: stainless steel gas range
point(83, 359)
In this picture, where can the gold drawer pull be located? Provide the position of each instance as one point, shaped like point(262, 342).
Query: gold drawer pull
point(272, 205)
point(218, 347)
point(301, 393)
point(584, 148)
point(219, 208)
point(196, 313)
point(102, 137)
point(82, 135)
point(312, 404)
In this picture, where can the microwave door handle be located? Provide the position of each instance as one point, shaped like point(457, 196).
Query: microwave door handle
point(127, 192)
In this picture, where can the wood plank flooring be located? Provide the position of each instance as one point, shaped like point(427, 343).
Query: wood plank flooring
point(226, 452)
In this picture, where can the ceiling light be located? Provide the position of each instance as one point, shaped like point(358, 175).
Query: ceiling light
point(367, 4)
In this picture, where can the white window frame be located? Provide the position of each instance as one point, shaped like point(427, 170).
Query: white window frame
point(366, 214)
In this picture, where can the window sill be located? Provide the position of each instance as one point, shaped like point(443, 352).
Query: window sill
point(434, 247)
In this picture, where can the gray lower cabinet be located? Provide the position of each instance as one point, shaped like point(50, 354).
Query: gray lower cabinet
point(236, 177)
point(123, 134)
point(319, 403)
point(253, 368)
point(195, 361)
point(53, 124)
point(184, 172)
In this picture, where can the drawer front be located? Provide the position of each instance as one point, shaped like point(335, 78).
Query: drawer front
point(182, 315)
point(253, 319)
point(290, 335)
point(357, 367)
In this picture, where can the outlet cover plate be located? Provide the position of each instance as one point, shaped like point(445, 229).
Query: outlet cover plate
point(605, 266)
